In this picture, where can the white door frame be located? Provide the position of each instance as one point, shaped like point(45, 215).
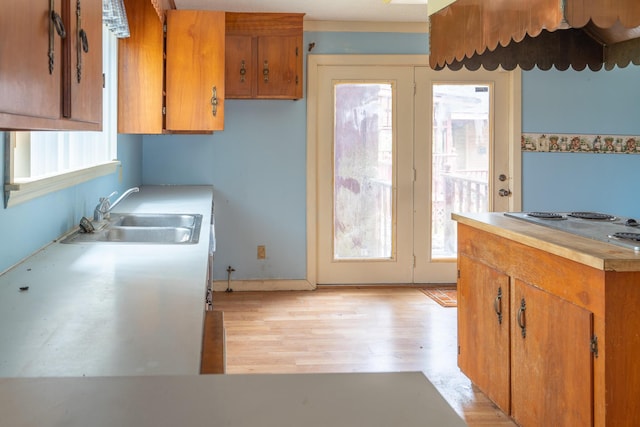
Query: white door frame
point(315, 61)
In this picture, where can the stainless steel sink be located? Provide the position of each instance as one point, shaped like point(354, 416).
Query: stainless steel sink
point(154, 220)
point(144, 228)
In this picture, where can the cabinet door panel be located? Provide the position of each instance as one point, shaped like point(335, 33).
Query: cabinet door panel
point(552, 372)
point(85, 88)
point(195, 70)
point(278, 74)
point(483, 329)
point(26, 85)
point(239, 57)
point(141, 71)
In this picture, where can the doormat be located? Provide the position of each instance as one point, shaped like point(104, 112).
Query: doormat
point(446, 296)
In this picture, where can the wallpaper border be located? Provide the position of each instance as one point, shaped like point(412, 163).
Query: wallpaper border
point(572, 143)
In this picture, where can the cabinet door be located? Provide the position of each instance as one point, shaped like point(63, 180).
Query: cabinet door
point(141, 71)
point(83, 102)
point(195, 70)
point(240, 70)
point(27, 86)
point(552, 372)
point(483, 328)
point(279, 68)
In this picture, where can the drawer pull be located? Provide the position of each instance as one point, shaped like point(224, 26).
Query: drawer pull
point(55, 26)
point(243, 71)
point(522, 319)
point(497, 305)
point(214, 101)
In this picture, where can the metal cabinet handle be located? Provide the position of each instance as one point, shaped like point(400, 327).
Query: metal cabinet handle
point(522, 319)
point(82, 42)
point(243, 71)
point(214, 101)
point(497, 305)
point(55, 26)
point(265, 71)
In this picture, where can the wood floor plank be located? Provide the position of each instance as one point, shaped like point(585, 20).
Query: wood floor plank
point(352, 329)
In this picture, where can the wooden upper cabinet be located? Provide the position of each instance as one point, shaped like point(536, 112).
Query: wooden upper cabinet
point(195, 88)
point(140, 71)
point(85, 56)
point(264, 55)
point(38, 67)
point(172, 89)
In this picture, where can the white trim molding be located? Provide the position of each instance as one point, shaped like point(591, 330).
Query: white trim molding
point(263, 285)
point(25, 190)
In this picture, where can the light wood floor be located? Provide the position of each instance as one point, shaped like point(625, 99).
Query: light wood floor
point(351, 329)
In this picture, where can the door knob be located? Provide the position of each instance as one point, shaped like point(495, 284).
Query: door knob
point(504, 192)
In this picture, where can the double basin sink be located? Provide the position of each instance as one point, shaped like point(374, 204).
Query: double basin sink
point(144, 228)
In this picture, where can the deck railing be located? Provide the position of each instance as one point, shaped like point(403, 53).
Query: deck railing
point(462, 191)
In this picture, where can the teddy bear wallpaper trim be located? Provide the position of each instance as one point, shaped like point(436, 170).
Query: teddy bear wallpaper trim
point(570, 143)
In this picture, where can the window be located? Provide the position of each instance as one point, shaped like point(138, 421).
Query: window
point(37, 163)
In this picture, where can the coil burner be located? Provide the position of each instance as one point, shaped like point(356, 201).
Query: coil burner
point(546, 215)
point(592, 215)
point(627, 236)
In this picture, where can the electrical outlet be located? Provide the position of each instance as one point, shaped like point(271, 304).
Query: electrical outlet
point(262, 252)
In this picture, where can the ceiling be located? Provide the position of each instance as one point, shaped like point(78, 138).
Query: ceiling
point(321, 10)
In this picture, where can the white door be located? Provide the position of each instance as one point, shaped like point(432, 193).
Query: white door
point(397, 149)
point(462, 160)
point(365, 175)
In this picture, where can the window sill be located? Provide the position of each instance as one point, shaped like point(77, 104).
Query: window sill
point(25, 190)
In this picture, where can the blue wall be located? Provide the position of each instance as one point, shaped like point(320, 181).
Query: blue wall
point(584, 102)
point(27, 227)
point(257, 166)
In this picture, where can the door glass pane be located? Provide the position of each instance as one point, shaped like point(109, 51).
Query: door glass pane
point(460, 169)
point(363, 171)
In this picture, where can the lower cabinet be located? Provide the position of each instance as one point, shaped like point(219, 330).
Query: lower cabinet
point(483, 329)
point(551, 369)
point(529, 350)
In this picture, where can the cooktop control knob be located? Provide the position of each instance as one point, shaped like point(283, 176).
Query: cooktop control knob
point(631, 222)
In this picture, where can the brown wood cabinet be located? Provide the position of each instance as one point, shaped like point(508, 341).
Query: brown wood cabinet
point(264, 55)
point(48, 81)
point(552, 340)
point(483, 335)
point(177, 89)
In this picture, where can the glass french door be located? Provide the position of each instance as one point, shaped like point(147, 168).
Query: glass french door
point(399, 148)
point(365, 175)
point(462, 155)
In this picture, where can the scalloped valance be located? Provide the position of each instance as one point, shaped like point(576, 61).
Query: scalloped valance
point(535, 33)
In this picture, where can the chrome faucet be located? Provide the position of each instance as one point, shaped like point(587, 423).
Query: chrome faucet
point(103, 209)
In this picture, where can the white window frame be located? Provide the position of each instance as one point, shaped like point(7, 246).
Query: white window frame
point(19, 189)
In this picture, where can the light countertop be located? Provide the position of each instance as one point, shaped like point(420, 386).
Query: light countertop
point(404, 399)
point(110, 335)
point(110, 309)
point(599, 255)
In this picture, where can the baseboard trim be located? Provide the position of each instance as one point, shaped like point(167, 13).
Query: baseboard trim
point(263, 285)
